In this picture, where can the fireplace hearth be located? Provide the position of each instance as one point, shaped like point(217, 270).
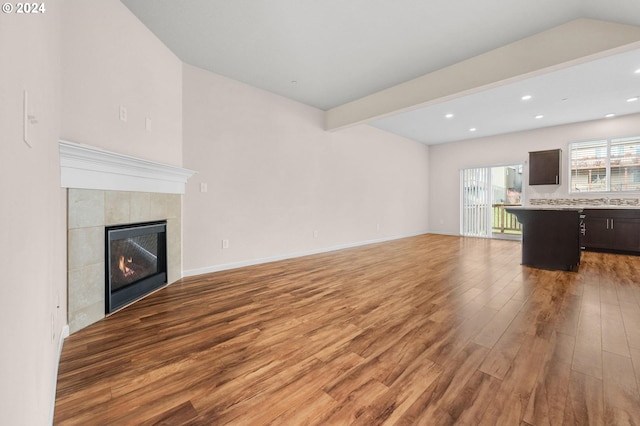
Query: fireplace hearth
point(135, 262)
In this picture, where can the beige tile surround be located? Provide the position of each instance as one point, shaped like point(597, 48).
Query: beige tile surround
point(89, 211)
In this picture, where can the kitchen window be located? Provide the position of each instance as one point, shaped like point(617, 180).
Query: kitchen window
point(611, 165)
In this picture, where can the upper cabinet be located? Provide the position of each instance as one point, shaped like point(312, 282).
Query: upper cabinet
point(544, 167)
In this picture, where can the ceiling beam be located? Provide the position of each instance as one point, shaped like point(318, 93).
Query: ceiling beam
point(575, 42)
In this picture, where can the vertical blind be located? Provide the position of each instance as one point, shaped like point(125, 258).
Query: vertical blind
point(475, 202)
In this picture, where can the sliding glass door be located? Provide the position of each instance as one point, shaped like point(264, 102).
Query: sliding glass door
point(485, 193)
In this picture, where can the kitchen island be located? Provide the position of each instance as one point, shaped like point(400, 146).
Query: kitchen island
point(550, 236)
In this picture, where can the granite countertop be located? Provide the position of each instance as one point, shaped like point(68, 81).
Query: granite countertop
point(545, 207)
point(577, 207)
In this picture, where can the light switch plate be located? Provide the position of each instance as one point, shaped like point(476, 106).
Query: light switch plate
point(25, 118)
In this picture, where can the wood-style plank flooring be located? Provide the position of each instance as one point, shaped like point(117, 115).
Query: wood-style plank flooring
point(429, 330)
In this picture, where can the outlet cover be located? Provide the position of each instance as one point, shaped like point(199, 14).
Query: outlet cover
point(123, 113)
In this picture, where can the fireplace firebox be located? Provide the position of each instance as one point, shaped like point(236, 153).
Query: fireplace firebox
point(135, 262)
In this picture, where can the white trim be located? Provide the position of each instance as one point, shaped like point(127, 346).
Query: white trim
point(448, 234)
point(63, 335)
point(87, 167)
point(251, 262)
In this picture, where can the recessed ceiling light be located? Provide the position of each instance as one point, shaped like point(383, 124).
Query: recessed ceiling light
point(635, 98)
point(473, 129)
point(539, 116)
point(448, 115)
point(637, 71)
point(610, 115)
point(526, 97)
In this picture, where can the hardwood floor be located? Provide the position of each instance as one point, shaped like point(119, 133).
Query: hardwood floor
point(429, 330)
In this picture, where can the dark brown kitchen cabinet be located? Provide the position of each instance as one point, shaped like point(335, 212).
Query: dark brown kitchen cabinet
point(550, 237)
point(609, 229)
point(544, 167)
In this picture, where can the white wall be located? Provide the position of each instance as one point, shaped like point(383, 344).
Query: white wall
point(78, 61)
point(446, 161)
point(32, 214)
point(275, 176)
point(110, 59)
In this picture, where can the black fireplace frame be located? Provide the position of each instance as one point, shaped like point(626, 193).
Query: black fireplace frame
point(117, 299)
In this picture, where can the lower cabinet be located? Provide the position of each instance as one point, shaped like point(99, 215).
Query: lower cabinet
point(610, 229)
point(550, 237)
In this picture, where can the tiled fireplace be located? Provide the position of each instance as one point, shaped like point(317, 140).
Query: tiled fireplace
point(90, 210)
point(98, 199)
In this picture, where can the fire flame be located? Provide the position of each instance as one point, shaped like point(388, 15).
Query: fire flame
point(126, 271)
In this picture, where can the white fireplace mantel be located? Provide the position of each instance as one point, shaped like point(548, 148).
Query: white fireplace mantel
point(87, 167)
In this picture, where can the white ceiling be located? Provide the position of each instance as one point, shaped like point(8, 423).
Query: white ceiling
point(583, 92)
point(330, 52)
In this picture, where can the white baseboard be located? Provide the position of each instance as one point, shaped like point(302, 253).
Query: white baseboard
point(451, 234)
point(243, 263)
point(64, 333)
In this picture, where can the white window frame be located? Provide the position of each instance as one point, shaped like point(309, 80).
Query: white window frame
point(607, 166)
